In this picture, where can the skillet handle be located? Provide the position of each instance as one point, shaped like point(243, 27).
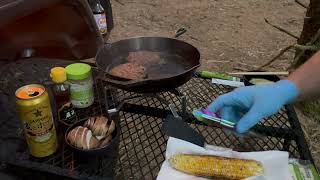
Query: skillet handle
point(180, 32)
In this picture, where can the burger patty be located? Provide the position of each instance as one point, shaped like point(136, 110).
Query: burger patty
point(129, 71)
point(143, 58)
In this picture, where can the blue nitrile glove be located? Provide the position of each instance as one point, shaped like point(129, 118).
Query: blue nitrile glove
point(248, 105)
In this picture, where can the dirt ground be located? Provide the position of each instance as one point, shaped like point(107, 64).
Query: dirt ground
point(230, 34)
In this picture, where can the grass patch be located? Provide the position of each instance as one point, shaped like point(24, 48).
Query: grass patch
point(310, 109)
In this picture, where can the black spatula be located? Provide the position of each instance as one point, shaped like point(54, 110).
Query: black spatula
point(175, 127)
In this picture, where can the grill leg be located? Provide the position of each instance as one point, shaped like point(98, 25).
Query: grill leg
point(184, 105)
point(286, 145)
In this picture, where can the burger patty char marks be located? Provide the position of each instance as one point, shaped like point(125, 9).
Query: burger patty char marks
point(144, 58)
point(129, 71)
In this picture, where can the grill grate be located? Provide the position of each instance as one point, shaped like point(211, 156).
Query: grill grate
point(137, 125)
point(142, 144)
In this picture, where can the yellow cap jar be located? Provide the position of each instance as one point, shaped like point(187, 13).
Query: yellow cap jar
point(58, 74)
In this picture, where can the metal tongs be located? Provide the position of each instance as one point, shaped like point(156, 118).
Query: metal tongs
point(212, 119)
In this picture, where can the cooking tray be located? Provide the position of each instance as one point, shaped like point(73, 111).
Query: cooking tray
point(248, 78)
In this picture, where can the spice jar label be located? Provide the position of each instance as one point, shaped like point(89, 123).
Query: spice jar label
point(101, 22)
point(67, 114)
point(81, 95)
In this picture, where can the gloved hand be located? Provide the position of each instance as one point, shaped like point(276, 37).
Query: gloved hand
point(248, 105)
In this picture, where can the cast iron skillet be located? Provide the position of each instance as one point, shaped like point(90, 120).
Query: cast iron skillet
point(181, 59)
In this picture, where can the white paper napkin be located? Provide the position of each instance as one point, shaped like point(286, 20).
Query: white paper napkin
point(275, 163)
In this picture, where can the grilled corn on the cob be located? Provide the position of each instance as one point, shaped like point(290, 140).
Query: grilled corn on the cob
point(216, 167)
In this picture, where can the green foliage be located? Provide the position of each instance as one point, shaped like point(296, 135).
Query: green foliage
point(310, 109)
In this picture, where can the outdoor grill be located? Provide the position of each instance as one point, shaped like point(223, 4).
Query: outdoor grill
point(142, 144)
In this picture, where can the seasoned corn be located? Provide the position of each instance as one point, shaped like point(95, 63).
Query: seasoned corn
point(216, 167)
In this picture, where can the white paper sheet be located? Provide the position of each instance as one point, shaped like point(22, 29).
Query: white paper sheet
point(275, 163)
point(228, 82)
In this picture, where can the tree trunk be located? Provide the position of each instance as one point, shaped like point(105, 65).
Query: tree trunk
point(310, 28)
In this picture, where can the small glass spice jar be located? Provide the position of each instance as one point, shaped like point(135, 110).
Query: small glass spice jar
point(79, 76)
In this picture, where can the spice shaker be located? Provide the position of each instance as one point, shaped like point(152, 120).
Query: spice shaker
point(79, 76)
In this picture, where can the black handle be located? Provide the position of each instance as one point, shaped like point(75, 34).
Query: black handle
point(108, 11)
point(180, 32)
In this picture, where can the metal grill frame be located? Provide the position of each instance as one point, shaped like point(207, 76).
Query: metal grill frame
point(142, 144)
